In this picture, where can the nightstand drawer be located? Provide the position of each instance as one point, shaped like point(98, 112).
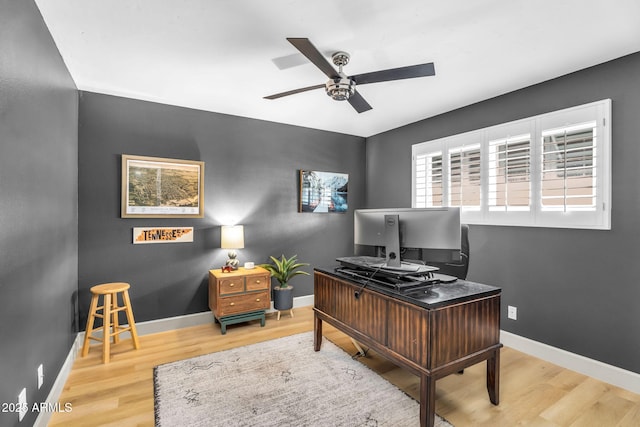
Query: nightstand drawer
point(256, 283)
point(243, 303)
point(234, 285)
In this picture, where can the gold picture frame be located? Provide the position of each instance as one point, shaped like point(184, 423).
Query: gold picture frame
point(156, 187)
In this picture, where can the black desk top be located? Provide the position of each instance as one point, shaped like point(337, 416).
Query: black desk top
point(431, 296)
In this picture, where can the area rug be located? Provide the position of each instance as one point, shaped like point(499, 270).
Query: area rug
point(281, 382)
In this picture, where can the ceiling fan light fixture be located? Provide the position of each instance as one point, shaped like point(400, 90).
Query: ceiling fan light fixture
point(340, 89)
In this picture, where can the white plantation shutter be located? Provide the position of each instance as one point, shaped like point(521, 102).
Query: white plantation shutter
point(509, 167)
point(465, 188)
point(551, 170)
point(569, 159)
point(428, 180)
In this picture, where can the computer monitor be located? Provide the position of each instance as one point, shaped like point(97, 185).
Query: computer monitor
point(408, 234)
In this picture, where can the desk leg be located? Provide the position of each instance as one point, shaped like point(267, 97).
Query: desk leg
point(493, 377)
point(317, 336)
point(427, 400)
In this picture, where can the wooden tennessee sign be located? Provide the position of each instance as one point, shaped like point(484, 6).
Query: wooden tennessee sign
point(162, 235)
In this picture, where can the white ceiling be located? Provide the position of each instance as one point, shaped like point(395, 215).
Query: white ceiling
point(226, 55)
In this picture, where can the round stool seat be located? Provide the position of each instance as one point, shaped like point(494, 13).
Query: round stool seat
point(109, 288)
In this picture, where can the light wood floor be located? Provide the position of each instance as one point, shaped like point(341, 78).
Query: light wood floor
point(532, 392)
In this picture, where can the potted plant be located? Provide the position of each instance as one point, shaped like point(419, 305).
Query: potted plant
point(284, 270)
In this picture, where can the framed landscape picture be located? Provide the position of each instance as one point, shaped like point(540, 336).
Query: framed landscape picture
point(323, 192)
point(154, 187)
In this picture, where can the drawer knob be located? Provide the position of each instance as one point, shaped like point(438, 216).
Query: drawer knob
point(258, 282)
point(257, 299)
point(232, 285)
point(233, 303)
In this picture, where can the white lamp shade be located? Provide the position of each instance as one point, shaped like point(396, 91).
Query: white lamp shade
point(232, 237)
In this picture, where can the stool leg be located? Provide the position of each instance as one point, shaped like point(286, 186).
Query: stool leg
point(114, 320)
point(132, 322)
point(106, 329)
point(89, 328)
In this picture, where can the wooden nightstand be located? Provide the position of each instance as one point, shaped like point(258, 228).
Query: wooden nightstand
point(239, 296)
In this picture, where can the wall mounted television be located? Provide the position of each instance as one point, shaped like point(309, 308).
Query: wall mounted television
point(408, 234)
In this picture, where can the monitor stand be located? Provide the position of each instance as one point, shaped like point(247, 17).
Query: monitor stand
point(378, 265)
point(392, 241)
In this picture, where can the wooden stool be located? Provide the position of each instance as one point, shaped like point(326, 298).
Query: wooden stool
point(109, 316)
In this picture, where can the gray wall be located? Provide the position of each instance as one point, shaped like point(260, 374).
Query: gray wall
point(60, 194)
point(251, 178)
point(38, 206)
point(574, 289)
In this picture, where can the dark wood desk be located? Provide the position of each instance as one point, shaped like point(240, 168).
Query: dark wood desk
point(432, 334)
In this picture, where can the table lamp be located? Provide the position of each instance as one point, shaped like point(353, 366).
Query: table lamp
point(232, 238)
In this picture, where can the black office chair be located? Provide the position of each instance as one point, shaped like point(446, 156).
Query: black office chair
point(457, 269)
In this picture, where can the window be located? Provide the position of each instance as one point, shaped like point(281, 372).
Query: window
point(428, 179)
point(551, 170)
point(568, 172)
point(509, 168)
point(464, 176)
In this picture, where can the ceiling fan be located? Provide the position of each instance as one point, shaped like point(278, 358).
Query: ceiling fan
point(342, 87)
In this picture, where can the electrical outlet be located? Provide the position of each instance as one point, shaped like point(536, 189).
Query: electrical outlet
point(22, 404)
point(40, 376)
point(512, 312)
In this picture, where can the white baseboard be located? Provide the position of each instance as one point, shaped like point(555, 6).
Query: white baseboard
point(593, 368)
point(178, 322)
point(303, 301)
point(143, 328)
point(171, 323)
point(58, 385)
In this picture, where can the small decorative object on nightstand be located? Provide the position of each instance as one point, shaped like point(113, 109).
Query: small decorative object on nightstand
point(239, 295)
point(232, 238)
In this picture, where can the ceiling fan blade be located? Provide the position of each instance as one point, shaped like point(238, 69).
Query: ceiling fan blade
point(294, 91)
point(410, 72)
point(359, 103)
point(309, 50)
